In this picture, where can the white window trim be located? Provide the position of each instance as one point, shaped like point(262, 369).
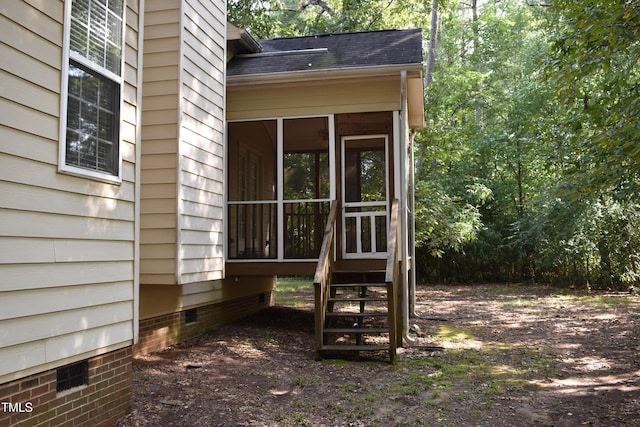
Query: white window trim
point(67, 55)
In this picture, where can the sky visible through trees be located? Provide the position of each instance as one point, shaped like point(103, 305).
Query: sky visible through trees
point(528, 169)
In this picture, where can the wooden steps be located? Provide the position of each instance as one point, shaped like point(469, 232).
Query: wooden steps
point(357, 315)
point(356, 300)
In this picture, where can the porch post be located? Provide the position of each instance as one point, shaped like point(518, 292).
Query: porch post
point(280, 187)
point(333, 177)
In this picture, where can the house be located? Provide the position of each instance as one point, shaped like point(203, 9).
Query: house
point(219, 222)
point(69, 166)
point(158, 169)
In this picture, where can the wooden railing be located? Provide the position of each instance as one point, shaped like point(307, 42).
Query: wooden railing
point(322, 278)
point(392, 277)
point(303, 228)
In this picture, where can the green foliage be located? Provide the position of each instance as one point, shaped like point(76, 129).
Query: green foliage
point(594, 67)
point(586, 224)
point(278, 18)
point(255, 15)
point(443, 222)
point(540, 105)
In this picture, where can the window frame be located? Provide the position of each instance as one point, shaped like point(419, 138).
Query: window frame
point(67, 57)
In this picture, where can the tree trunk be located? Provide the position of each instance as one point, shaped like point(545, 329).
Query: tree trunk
point(605, 261)
point(476, 65)
point(431, 58)
point(634, 266)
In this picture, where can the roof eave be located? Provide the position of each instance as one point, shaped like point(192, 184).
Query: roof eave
point(414, 69)
point(238, 35)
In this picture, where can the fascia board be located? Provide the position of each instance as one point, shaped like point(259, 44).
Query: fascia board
point(324, 74)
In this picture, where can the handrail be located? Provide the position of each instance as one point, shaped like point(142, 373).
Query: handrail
point(322, 277)
point(392, 278)
point(392, 242)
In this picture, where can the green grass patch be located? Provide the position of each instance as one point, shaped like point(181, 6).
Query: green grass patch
point(452, 332)
point(294, 291)
point(472, 374)
point(456, 337)
point(294, 284)
point(602, 301)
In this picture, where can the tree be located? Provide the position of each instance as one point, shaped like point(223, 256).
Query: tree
point(277, 18)
point(480, 144)
point(594, 64)
point(593, 67)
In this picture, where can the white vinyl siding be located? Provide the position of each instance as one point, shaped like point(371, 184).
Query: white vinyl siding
point(202, 143)
point(66, 242)
point(347, 95)
point(158, 235)
point(183, 142)
point(203, 293)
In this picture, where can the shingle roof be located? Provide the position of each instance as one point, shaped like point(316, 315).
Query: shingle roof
point(331, 51)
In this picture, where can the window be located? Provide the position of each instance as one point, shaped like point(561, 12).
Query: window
point(93, 83)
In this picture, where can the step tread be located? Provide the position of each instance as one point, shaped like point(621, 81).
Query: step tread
point(356, 330)
point(352, 271)
point(360, 285)
point(354, 347)
point(358, 299)
point(352, 314)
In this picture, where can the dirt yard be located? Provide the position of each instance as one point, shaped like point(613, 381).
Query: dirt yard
point(514, 356)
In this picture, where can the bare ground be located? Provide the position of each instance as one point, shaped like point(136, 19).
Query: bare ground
point(514, 356)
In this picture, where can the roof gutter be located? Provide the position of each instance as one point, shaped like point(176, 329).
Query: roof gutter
point(404, 146)
point(324, 74)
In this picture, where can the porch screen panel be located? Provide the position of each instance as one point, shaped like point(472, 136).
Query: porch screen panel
point(252, 189)
point(306, 185)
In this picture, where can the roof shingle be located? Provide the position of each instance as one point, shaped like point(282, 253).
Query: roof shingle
point(331, 51)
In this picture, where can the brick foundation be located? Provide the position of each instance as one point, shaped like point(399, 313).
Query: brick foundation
point(34, 401)
point(160, 332)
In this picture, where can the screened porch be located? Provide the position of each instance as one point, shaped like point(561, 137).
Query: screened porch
point(259, 195)
point(283, 175)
